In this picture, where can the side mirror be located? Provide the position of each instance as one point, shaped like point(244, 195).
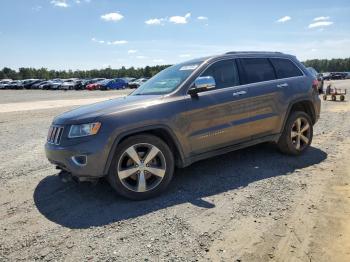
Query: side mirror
point(202, 83)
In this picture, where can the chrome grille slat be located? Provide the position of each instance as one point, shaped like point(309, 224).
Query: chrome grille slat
point(54, 135)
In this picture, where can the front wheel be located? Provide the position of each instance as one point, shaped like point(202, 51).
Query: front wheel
point(142, 167)
point(297, 134)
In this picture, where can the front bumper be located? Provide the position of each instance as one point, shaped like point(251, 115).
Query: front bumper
point(66, 157)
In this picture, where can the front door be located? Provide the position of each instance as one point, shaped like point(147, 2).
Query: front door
point(218, 117)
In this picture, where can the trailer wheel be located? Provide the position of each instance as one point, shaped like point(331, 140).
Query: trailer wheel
point(324, 97)
point(342, 97)
point(334, 98)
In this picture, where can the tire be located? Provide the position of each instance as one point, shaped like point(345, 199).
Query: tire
point(342, 97)
point(288, 142)
point(334, 98)
point(324, 97)
point(130, 186)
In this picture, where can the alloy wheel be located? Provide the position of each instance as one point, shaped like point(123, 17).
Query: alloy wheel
point(141, 167)
point(300, 133)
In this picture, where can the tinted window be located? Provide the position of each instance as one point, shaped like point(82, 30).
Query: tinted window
point(224, 72)
point(257, 70)
point(285, 68)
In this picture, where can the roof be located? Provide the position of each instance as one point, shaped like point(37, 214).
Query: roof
point(252, 52)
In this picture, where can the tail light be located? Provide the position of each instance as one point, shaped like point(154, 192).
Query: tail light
point(315, 85)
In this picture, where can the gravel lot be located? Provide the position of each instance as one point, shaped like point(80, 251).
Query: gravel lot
point(250, 205)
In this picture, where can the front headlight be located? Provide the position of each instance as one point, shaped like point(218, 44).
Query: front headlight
point(84, 130)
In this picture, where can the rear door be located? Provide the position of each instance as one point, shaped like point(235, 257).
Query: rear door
point(291, 82)
point(259, 76)
point(216, 118)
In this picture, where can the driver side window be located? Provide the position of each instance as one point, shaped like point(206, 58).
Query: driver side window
point(224, 72)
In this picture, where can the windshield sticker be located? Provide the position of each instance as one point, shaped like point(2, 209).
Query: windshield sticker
point(189, 67)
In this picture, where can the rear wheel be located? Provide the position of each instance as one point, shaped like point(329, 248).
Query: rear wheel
point(334, 98)
point(297, 134)
point(325, 97)
point(142, 167)
point(342, 98)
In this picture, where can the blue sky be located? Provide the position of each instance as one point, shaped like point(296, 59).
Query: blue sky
point(87, 34)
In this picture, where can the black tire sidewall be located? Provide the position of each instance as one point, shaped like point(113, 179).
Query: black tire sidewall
point(169, 159)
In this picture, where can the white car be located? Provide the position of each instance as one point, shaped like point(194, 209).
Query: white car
point(69, 84)
point(4, 82)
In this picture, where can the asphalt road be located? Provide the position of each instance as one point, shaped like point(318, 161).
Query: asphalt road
point(254, 204)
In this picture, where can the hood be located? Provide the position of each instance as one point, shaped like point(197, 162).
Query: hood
point(86, 114)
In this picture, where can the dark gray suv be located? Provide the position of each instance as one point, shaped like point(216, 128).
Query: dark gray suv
point(187, 112)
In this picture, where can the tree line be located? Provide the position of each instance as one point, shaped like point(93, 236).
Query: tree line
point(329, 65)
point(43, 73)
point(321, 65)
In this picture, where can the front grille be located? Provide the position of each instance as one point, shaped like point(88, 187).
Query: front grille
point(54, 135)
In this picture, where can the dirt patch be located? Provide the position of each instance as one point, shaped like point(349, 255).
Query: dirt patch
point(40, 105)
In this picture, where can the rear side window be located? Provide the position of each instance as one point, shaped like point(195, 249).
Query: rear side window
point(285, 68)
point(257, 70)
point(224, 72)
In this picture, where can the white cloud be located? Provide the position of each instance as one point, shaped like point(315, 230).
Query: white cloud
point(180, 19)
point(132, 51)
point(320, 24)
point(185, 55)
point(202, 18)
point(284, 19)
point(321, 18)
point(60, 3)
point(117, 42)
point(155, 21)
point(141, 57)
point(115, 17)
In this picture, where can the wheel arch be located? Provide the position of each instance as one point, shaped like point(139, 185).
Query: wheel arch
point(303, 105)
point(163, 132)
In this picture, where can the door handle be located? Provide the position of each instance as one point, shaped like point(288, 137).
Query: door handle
point(240, 93)
point(282, 85)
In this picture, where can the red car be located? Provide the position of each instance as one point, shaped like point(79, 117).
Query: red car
point(94, 86)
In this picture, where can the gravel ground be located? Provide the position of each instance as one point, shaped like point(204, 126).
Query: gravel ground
point(254, 204)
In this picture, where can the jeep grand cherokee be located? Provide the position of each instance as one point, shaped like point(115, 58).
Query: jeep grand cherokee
point(188, 112)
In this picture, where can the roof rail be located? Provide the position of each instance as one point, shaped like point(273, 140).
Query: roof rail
point(252, 52)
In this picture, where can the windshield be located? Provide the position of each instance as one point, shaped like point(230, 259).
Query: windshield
point(167, 80)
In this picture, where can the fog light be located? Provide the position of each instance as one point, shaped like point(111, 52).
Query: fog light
point(80, 160)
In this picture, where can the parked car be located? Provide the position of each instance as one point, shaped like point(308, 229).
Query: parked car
point(319, 78)
point(4, 83)
point(45, 85)
point(91, 81)
point(28, 84)
point(326, 76)
point(137, 83)
point(186, 113)
point(41, 85)
point(70, 84)
point(83, 84)
point(338, 76)
point(54, 84)
point(118, 83)
point(95, 85)
point(16, 84)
